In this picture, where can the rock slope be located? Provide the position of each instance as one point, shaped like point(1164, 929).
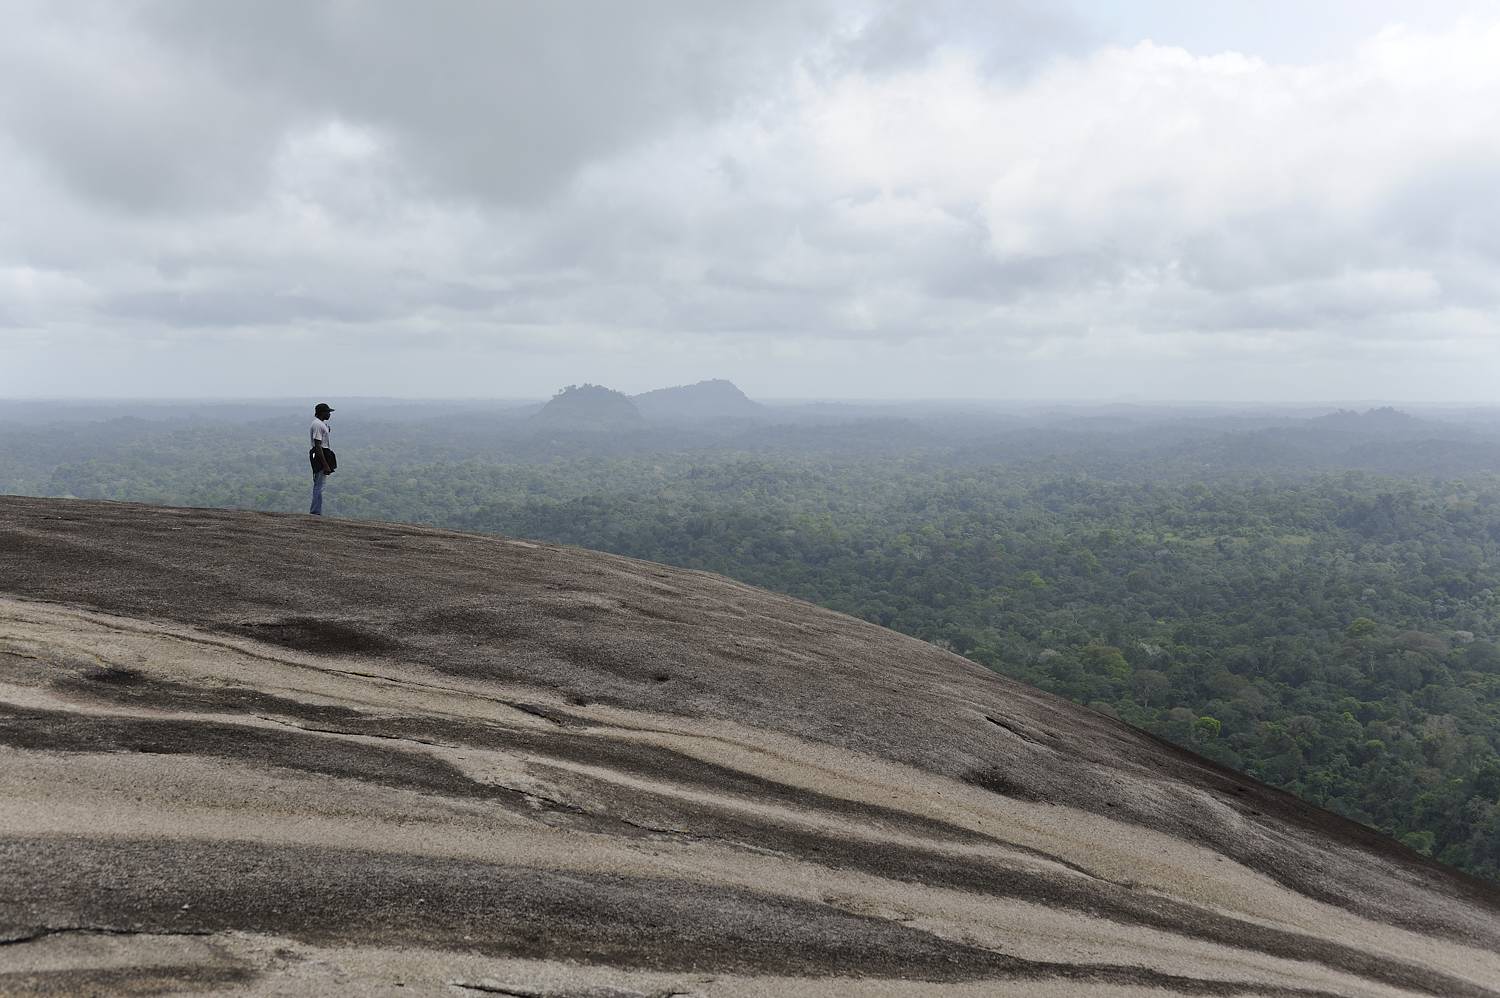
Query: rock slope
point(269, 754)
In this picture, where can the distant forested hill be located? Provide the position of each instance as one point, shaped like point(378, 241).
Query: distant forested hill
point(589, 407)
point(1312, 598)
point(704, 401)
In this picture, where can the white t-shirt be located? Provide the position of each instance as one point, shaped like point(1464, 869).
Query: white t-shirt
point(320, 431)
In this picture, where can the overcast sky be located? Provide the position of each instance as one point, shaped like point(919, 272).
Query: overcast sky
point(1154, 200)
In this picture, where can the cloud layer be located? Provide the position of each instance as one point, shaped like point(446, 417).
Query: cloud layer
point(955, 199)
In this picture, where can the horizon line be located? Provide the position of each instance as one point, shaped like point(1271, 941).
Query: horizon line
point(1094, 403)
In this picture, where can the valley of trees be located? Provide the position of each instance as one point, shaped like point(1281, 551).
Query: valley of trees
point(1311, 599)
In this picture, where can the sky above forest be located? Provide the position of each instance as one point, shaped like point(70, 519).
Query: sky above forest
point(1158, 200)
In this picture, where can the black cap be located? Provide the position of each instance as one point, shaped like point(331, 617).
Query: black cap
point(322, 407)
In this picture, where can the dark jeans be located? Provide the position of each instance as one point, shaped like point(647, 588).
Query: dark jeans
point(317, 500)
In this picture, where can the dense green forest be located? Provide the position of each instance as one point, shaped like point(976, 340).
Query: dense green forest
point(1313, 601)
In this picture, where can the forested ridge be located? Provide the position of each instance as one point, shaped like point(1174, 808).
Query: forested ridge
point(1311, 608)
point(1332, 637)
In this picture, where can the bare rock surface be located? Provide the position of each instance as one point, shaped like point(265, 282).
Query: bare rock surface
point(264, 754)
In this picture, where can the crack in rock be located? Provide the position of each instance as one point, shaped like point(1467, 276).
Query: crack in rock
point(523, 991)
point(100, 930)
point(1015, 730)
point(351, 734)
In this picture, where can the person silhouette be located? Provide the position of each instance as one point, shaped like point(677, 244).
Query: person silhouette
point(320, 455)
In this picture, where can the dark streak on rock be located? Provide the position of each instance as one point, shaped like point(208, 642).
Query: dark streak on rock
point(996, 780)
point(575, 744)
point(1085, 894)
point(44, 931)
point(650, 813)
point(349, 733)
point(129, 687)
point(1014, 729)
point(141, 980)
point(561, 718)
point(328, 896)
point(521, 991)
point(157, 979)
point(319, 635)
point(60, 731)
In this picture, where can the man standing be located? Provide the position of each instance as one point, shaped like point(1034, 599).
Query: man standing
point(320, 455)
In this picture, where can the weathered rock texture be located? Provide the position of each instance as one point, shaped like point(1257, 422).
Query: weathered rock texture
point(275, 754)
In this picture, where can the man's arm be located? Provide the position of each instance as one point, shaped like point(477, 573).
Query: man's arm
point(318, 449)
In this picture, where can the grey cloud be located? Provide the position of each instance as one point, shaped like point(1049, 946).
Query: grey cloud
point(980, 276)
point(727, 179)
point(125, 121)
point(1014, 36)
point(1452, 204)
point(340, 299)
point(1294, 270)
point(1286, 309)
point(748, 283)
point(233, 307)
point(1268, 247)
point(464, 297)
point(168, 105)
point(501, 101)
